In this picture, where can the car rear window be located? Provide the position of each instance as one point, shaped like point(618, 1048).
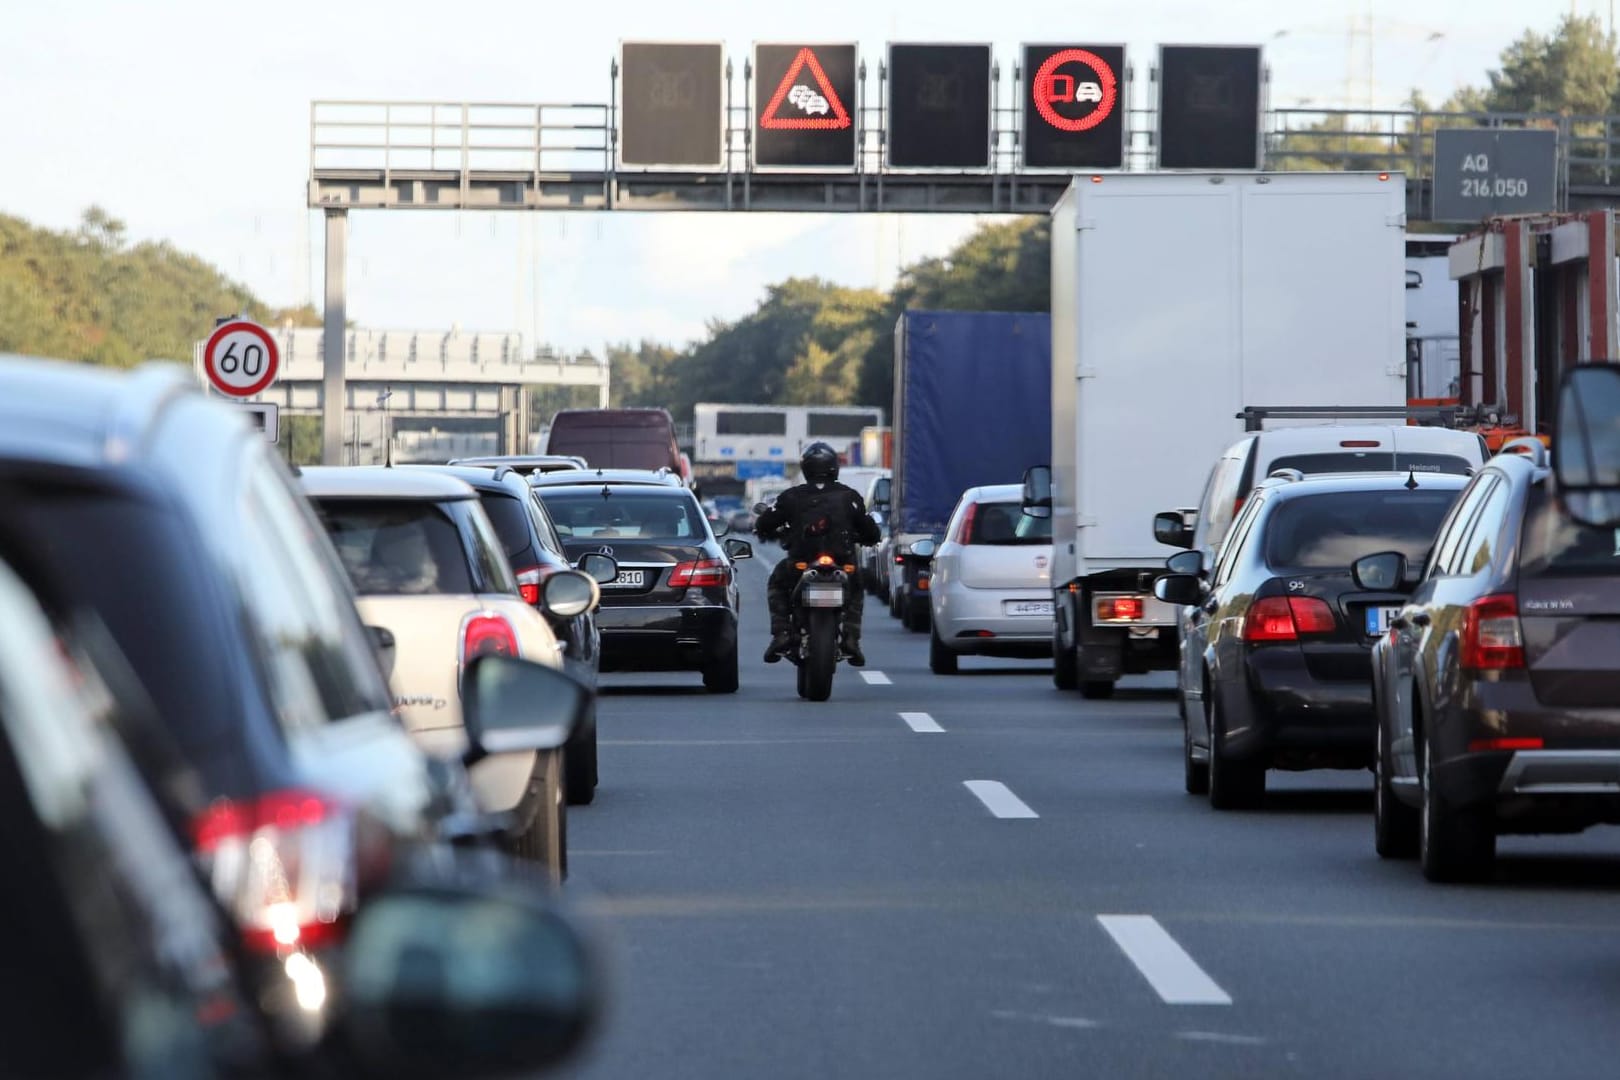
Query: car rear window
point(1554, 546)
point(1333, 530)
point(587, 514)
point(510, 520)
point(398, 548)
point(1006, 525)
point(1351, 461)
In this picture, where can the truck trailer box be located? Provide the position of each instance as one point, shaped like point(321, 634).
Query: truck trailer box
point(1178, 299)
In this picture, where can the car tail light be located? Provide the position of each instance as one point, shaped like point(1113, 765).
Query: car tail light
point(1492, 639)
point(1476, 745)
point(286, 866)
point(1120, 609)
point(1311, 616)
point(1360, 444)
point(487, 634)
point(529, 580)
point(1285, 618)
point(964, 531)
point(704, 573)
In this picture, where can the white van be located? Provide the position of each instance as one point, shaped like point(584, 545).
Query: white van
point(1313, 450)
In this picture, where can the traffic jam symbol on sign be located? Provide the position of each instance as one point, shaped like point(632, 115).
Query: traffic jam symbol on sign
point(1079, 81)
point(819, 104)
point(241, 359)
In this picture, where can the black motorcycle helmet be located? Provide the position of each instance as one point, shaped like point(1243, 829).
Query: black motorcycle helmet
point(819, 464)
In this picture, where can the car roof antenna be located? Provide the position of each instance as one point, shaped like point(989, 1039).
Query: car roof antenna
point(1411, 480)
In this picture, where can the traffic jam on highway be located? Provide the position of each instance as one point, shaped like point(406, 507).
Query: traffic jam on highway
point(477, 768)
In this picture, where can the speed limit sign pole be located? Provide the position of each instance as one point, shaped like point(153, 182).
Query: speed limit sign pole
point(241, 358)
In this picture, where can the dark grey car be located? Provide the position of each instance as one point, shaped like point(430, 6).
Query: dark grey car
point(1498, 686)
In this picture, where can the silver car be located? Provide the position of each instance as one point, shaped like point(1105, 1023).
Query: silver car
point(991, 591)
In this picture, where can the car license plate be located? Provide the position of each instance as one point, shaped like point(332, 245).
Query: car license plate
point(1378, 620)
point(1027, 607)
point(630, 579)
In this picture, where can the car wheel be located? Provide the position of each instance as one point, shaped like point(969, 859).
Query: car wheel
point(720, 677)
point(1195, 774)
point(1454, 844)
point(895, 608)
point(579, 765)
point(1065, 665)
point(1233, 785)
point(1097, 689)
point(1395, 825)
point(920, 615)
point(941, 661)
point(545, 839)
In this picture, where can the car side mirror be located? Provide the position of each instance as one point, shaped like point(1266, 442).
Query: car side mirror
point(1383, 572)
point(924, 549)
point(568, 593)
point(1586, 444)
point(1185, 562)
point(602, 569)
point(738, 549)
point(509, 705)
point(1171, 529)
point(883, 494)
point(1182, 590)
point(1038, 492)
point(464, 980)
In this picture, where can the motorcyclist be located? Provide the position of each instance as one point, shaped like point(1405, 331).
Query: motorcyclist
point(816, 516)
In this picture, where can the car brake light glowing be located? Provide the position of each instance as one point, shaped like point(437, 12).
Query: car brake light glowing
point(1119, 608)
point(1492, 639)
point(1476, 745)
point(529, 580)
point(705, 573)
point(487, 634)
point(1311, 616)
point(283, 865)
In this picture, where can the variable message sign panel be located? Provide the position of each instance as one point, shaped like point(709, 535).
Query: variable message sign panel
point(804, 106)
point(672, 112)
point(1074, 104)
point(1209, 107)
point(939, 106)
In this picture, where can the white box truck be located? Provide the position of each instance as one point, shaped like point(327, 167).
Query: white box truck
point(1178, 300)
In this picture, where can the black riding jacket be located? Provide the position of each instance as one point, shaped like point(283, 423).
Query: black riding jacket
point(811, 519)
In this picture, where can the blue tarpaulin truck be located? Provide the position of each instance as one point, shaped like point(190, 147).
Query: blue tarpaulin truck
point(972, 406)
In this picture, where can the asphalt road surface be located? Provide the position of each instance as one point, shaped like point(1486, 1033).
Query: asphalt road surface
point(979, 876)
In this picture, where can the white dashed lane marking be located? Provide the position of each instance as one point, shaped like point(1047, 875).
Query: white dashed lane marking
point(1174, 975)
point(876, 678)
point(998, 799)
point(920, 722)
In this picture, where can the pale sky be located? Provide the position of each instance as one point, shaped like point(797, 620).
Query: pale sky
point(190, 121)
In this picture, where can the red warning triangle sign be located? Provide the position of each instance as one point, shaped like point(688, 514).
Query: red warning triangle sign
point(823, 111)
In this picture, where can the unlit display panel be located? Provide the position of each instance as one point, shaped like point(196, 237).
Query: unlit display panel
point(939, 106)
point(672, 108)
point(1209, 107)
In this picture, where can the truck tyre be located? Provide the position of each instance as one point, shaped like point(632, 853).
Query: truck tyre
point(1454, 844)
point(1395, 825)
point(941, 661)
point(1096, 689)
point(1233, 785)
point(1065, 665)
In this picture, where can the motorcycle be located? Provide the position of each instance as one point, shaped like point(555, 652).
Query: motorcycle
point(817, 613)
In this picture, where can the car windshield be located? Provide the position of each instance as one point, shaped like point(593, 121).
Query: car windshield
point(1333, 530)
point(1555, 546)
point(1350, 461)
point(589, 514)
point(405, 548)
point(1006, 525)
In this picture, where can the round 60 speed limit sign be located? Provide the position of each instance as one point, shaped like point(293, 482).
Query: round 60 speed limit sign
point(240, 358)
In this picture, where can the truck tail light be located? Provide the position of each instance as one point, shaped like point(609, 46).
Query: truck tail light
point(287, 866)
point(1119, 608)
point(487, 634)
point(705, 573)
point(1492, 639)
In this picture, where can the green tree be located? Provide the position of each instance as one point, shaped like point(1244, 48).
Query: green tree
point(1572, 71)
